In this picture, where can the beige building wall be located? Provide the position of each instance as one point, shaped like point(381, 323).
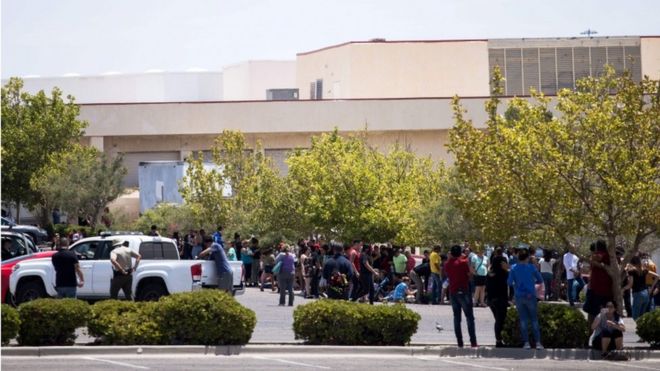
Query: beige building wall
point(397, 69)
point(250, 80)
point(281, 117)
point(650, 49)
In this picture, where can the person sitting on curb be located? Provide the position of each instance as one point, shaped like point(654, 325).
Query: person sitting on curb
point(608, 327)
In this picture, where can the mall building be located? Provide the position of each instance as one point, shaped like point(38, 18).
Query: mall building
point(399, 90)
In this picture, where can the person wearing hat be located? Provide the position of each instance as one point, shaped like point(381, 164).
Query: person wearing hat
point(122, 268)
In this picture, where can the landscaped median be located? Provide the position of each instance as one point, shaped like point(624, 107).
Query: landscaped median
point(207, 317)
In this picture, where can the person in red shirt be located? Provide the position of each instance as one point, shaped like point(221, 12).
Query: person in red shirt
point(458, 271)
point(410, 264)
point(600, 282)
point(353, 256)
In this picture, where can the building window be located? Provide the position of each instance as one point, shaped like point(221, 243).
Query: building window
point(312, 90)
point(319, 89)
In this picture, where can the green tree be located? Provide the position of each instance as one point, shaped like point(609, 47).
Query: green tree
point(593, 168)
point(33, 127)
point(255, 184)
point(443, 221)
point(344, 189)
point(81, 180)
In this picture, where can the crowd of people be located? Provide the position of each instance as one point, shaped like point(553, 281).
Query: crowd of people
point(464, 276)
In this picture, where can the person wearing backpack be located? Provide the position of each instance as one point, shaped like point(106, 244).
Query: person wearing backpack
point(337, 272)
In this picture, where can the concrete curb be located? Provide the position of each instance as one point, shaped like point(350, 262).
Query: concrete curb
point(431, 350)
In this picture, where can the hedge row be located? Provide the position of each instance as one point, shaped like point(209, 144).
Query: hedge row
point(207, 317)
point(331, 322)
point(561, 327)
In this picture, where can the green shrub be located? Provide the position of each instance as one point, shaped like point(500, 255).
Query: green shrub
point(561, 327)
point(648, 327)
point(130, 325)
point(332, 322)
point(206, 317)
point(121, 322)
point(11, 322)
point(51, 321)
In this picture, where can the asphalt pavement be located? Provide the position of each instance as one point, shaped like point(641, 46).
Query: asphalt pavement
point(320, 361)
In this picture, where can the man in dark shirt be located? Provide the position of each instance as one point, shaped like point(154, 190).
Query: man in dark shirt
point(337, 264)
point(66, 267)
point(458, 271)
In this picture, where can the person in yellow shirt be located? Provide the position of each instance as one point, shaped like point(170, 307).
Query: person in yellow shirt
point(436, 271)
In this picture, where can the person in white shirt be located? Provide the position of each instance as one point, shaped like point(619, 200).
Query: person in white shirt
point(545, 264)
point(573, 275)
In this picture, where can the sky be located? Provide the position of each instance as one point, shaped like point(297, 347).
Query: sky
point(91, 37)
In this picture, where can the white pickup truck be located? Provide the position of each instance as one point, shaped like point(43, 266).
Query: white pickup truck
point(159, 273)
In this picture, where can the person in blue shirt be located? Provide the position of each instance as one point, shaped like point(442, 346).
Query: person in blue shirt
point(401, 290)
point(225, 273)
point(217, 236)
point(522, 277)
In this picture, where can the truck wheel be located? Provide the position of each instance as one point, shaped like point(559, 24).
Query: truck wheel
point(29, 291)
point(151, 292)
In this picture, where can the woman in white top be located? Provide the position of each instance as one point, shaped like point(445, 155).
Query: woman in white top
point(545, 265)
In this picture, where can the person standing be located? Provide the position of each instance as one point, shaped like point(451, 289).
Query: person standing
point(459, 272)
point(246, 258)
point(480, 267)
point(285, 275)
point(637, 282)
point(238, 246)
point(217, 236)
point(154, 231)
point(497, 291)
point(399, 261)
point(523, 277)
point(436, 279)
point(367, 273)
point(337, 271)
point(217, 253)
point(600, 282)
point(573, 275)
point(122, 265)
point(66, 267)
point(256, 261)
point(353, 255)
point(546, 264)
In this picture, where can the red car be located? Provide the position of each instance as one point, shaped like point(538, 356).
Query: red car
point(8, 267)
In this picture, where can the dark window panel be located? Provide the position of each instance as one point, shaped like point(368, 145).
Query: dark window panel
point(514, 72)
point(548, 71)
point(565, 68)
point(530, 70)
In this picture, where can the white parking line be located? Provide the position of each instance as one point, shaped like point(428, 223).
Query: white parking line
point(291, 362)
point(625, 364)
point(115, 363)
point(436, 358)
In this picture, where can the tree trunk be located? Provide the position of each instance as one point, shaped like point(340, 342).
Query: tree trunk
point(614, 270)
point(43, 216)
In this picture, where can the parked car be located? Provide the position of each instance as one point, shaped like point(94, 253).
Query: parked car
point(8, 267)
point(15, 244)
point(159, 273)
point(38, 235)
